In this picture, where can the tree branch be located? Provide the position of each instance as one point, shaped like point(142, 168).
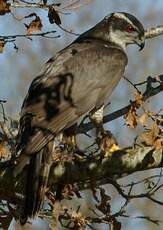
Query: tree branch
point(154, 32)
point(120, 163)
point(94, 171)
point(29, 36)
point(149, 92)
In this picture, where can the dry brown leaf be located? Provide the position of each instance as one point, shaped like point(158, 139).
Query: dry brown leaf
point(35, 25)
point(131, 117)
point(147, 137)
point(143, 119)
point(158, 144)
point(53, 16)
point(155, 129)
point(150, 136)
point(67, 191)
point(138, 99)
point(2, 45)
point(4, 151)
point(78, 220)
point(4, 7)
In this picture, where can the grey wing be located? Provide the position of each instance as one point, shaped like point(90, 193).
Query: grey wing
point(68, 87)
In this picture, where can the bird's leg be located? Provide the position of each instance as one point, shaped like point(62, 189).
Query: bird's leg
point(105, 139)
point(96, 117)
point(69, 141)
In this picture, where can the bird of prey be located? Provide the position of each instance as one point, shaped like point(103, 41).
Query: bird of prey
point(77, 80)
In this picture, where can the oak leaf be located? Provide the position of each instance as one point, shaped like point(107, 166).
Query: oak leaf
point(4, 151)
point(158, 144)
point(143, 119)
point(4, 7)
point(131, 117)
point(34, 26)
point(138, 99)
point(151, 135)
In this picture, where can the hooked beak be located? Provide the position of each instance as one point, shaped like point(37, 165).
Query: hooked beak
point(141, 42)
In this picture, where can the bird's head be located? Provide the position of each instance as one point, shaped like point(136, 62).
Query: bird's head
point(125, 29)
point(119, 28)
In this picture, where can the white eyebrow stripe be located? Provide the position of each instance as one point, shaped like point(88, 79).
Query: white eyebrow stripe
point(122, 16)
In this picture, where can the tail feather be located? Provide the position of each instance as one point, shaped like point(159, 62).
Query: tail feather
point(32, 186)
point(43, 180)
point(37, 178)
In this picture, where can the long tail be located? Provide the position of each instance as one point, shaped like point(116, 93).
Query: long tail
point(37, 178)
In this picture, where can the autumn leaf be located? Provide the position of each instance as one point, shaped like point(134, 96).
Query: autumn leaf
point(2, 45)
point(147, 137)
point(155, 129)
point(35, 25)
point(158, 144)
point(79, 221)
point(143, 119)
point(4, 151)
point(138, 99)
point(131, 117)
point(150, 136)
point(4, 7)
point(53, 16)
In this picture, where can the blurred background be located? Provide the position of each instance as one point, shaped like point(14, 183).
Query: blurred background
point(17, 69)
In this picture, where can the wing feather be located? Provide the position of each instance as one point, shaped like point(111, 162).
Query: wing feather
point(68, 86)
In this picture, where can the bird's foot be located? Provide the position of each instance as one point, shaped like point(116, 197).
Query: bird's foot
point(107, 142)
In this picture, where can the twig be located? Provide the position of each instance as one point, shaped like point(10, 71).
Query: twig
point(29, 36)
point(68, 31)
point(131, 84)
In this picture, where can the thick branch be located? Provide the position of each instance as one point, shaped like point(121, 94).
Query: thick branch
point(120, 163)
point(154, 32)
point(85, 172)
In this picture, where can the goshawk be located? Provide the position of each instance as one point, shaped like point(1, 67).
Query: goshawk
point(77, 80)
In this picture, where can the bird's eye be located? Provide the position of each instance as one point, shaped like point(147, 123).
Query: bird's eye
point(130, 29)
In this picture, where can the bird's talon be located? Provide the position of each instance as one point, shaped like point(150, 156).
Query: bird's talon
point(111, 151)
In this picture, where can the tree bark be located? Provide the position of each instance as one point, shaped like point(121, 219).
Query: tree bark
point(85, 172)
